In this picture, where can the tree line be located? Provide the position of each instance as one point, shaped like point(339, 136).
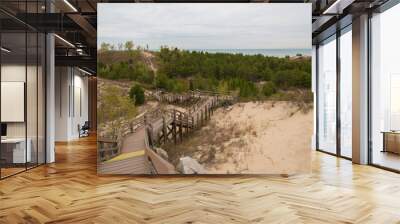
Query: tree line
point(181, 70)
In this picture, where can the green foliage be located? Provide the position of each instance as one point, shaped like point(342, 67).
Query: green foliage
point(171, 84)
point(202, 83)
point(105, 47)
point(292, 78)
point(163, 82)
point(136, 93)
point(181, 70)
point(222, 71)
point(247, 89)
point(180, 85)
point(303, 79)
point(267, 74)
point(129, 45)
point(191, 86)
point(268, 89)
point(115, 105)
point(223, 87)
point(125, 70)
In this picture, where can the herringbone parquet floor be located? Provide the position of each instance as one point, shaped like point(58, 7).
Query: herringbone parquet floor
point(69, 191)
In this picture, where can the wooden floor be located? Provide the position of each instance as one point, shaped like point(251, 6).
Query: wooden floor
point(5, 172)
point(69, 191)
point(387, 159)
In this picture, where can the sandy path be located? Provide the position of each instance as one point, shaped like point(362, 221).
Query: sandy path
point(267, 138)
point(149, 57)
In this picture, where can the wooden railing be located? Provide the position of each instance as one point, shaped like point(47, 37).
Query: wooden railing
point(157, 121)
point(176, 125)
point(107, 149)
point(110, 148)
point(191, 95)
point(159, 165)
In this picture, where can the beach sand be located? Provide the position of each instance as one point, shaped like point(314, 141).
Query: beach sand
point(254, 138)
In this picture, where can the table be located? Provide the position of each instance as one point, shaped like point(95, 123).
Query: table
point(391, 141)
point(13, 150)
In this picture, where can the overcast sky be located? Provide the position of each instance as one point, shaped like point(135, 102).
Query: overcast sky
point(206, 26)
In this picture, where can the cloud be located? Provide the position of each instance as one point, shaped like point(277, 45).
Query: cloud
point(206, 26)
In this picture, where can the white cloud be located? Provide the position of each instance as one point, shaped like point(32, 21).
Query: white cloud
point(206, 26)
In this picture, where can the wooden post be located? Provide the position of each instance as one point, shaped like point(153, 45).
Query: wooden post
point(211, 106)
point(174, 127)
point(201, 117)
point(197, 120)
point(187, 124)
point(205, 112)
point(164, 130)
point(213, 103)
point(181, 127)
point(208, 111)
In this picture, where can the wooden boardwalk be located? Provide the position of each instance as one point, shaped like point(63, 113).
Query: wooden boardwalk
point(134, 154)
point(135, 164)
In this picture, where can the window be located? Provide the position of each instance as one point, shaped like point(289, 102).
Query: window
point(394, 102)
point(327, 96)
point(385, 89)
point(23, 77)
point(346, 93)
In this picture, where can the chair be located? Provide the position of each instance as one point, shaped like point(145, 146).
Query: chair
point(84, 130)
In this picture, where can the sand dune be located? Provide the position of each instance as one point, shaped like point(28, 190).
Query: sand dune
point(253, 137)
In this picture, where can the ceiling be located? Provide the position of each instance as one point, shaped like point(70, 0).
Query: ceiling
point(332, 15)
point(75, 21)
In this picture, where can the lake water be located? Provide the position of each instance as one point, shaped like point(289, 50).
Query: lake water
point(265, 52)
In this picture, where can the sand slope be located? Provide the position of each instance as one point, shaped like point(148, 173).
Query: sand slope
point(256, 138)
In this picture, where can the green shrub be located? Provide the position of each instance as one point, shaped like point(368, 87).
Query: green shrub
point(268, 89)
point(162, 81)
point(247, 89)
point(136, 94)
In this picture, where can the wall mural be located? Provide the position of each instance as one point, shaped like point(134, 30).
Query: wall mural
point(204, 88)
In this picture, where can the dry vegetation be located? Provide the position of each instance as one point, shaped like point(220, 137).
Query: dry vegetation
point(108, 126)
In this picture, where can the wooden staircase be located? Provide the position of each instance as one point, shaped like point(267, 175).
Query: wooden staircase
point(132, 152)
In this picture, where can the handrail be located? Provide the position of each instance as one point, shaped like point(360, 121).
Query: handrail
point(158, 92)
point(106, 153)
point(127, 128)
point(206, 99)
point(160, 165)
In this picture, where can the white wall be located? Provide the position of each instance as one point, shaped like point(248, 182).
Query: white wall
point(62, 81)
point(17, 73)
point(80, 109)
point(71, 94)
point(14, 73)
